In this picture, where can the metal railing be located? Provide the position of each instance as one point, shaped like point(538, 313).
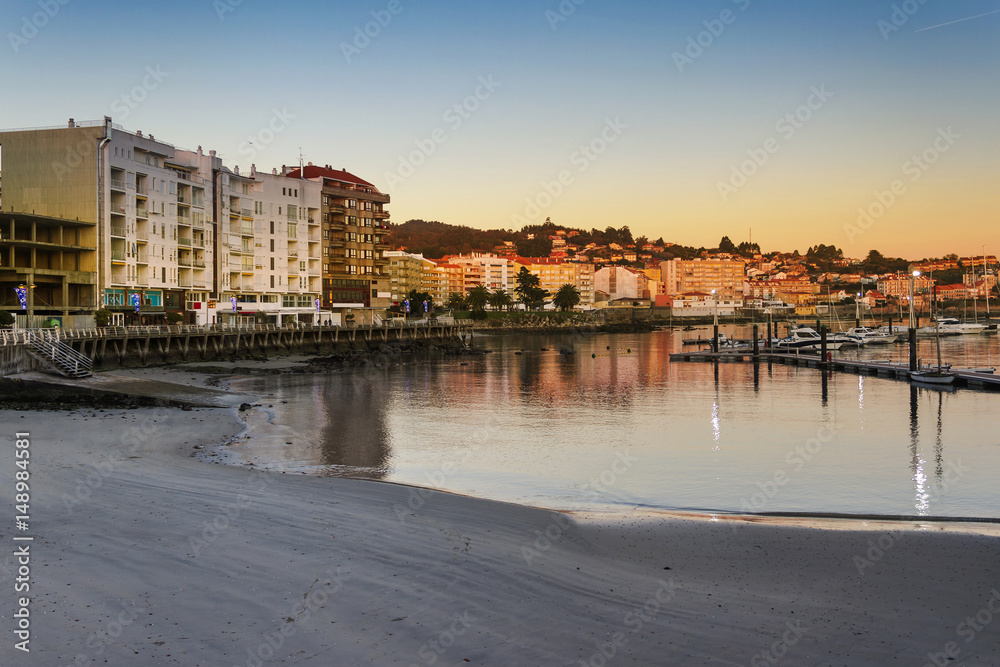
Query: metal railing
point(65, 359)
point(12, 337)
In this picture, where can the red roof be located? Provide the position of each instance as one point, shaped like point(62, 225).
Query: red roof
point(314, 171)
point(537, 260)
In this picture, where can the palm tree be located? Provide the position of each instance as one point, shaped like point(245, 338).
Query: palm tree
point(500, 299)
point(567, 297)
point(477, 298)
point(456, 301)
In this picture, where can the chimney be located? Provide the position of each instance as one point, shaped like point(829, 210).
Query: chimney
point(284, 170)
point(274, 171)
point(199, 151)
point(151, 138)
point(138, 133)
point(253, 169)
point(72, 123)
point(236, 170)
point(310, 164)
point(211, 153)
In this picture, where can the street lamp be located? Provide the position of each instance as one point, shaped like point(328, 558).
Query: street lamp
point(913, 277)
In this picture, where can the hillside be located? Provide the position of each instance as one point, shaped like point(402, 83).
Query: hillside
point(436, 239)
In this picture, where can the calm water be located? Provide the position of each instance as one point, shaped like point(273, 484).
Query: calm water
point(627, 428)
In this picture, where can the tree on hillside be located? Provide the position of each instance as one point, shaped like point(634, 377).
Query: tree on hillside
point(567, 297)
point(748, 249)
point(477, 298)
point(540, 246)
point(725, 245)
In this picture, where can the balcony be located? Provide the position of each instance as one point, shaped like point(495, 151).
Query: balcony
point(117, 185)
point(141, 190)
point(198, 243)
point(142, 235)
point(142, 258)
point(118, 230)
point(381, 215)
point(199, 263)
point(247, 213)
point(183, 197)
point(293, 215)
point(183, 218)
point(141, 212)
point(184, 240)
point(246, 230)
point(184, 261)
point(118, 256)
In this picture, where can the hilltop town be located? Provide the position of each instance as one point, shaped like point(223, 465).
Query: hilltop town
point(612, 268)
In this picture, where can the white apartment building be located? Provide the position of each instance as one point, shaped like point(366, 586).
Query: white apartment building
point(620, 282)
point(174, 231)
point(269, 248)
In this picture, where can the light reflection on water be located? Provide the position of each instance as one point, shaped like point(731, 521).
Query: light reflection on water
point(624, 427)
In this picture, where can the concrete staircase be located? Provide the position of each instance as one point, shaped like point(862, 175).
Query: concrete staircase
point(63, 358)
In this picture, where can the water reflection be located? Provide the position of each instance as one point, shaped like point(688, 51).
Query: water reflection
point(354, 438)
point(558, 420)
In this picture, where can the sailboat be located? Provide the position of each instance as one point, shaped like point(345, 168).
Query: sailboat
point(938, 376)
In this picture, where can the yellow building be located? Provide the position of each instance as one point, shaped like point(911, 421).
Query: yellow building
point(703, 275)
point(554, 273)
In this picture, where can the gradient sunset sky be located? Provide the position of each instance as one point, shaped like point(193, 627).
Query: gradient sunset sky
point(672, 98)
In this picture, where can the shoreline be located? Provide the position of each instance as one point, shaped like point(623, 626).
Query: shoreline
point(170, 560)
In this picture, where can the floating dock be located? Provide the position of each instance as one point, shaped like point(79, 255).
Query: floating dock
point(888, 369)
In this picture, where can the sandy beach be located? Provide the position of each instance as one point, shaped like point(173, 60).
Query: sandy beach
point(145, 554)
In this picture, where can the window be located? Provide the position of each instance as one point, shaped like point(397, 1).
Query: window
point(352, 203)
point(282, 192)
point(272, 226)
point(272, 267)
point(272, 281)
point(272, 245)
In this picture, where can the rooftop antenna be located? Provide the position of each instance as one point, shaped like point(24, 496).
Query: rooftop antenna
point(302, 165)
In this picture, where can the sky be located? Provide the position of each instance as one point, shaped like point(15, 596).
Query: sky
point(861, 124)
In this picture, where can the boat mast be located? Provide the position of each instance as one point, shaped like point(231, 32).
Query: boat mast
point(986, 286)
point(937, 336)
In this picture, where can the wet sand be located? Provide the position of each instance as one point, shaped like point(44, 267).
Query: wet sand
point(145, 554)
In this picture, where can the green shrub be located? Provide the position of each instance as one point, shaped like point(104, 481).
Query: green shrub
point(6, 319)
point(102, 317)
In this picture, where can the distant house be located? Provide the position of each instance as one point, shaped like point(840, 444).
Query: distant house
point(873, 298)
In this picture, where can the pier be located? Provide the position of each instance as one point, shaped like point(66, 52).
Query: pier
point(73, 352)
